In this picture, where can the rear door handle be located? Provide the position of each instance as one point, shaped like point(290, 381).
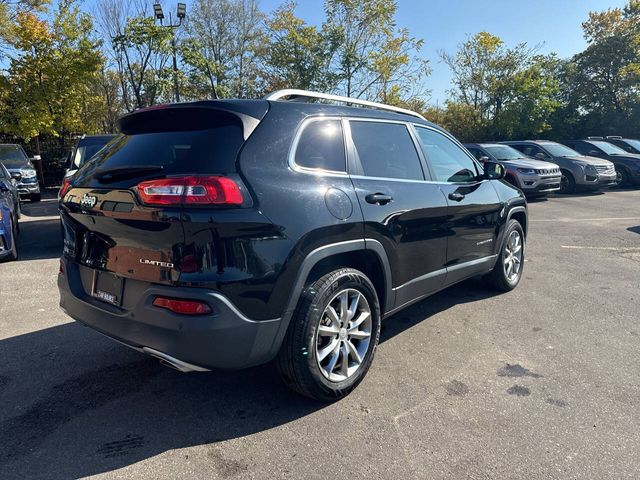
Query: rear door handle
point(456, 196)
point(378, 198)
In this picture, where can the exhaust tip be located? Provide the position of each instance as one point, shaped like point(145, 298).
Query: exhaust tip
point(172, 362)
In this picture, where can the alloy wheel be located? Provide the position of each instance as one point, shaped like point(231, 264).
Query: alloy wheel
point(513, 256)
point(344, 335)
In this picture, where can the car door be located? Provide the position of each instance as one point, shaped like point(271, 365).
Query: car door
point(6, 187)
point(402, 209)
point(473, 204)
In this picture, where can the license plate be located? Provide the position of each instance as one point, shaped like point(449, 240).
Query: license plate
point(108, 287)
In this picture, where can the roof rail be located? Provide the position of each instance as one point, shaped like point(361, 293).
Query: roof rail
point(595, 138)
point(614, 137)
point(292, 92)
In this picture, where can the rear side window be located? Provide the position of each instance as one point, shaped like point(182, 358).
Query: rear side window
point(321, 146)
point(386, 150)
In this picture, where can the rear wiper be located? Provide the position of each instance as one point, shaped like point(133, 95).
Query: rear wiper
point(117, 173)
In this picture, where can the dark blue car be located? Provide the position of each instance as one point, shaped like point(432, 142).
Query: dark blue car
point(9, 214)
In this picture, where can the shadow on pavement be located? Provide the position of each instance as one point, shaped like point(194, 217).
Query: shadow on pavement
point(39, 239)
point(578, 194)
point(110, 407)
point(76, 404)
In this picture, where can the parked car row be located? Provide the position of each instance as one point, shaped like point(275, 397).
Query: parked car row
point(539, 167)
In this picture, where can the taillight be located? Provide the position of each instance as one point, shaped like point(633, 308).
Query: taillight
point(190, 191)
point(66, 185)
point(183, 307)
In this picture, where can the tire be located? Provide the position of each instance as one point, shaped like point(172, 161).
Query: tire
point(623, 178)
point(567, 182)
point(501, 277)
point(299, 361)
point(35, 197)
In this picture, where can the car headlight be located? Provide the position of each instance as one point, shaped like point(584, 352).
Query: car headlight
point(28, 173)
point(527, 171)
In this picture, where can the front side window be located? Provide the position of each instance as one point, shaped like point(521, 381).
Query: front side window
point(450, 163)
point(321, 146)
point(386, 150)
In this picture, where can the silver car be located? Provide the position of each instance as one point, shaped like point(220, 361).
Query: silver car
point(533, 177)
point(578, 171)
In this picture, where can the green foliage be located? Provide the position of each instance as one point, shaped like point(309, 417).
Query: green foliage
point(298, 55)
point(373, 59)
point(47, 88)
point(223, 47)
point(501, 92)
point(604, 88)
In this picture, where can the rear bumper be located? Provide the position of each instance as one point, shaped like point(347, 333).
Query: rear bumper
point(224, 339)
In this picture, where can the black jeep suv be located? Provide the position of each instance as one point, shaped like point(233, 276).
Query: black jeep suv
point(226, 234)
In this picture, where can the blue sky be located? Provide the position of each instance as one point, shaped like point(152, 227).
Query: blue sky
point(444, 24)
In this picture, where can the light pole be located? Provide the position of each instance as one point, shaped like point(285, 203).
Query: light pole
point(181, 12)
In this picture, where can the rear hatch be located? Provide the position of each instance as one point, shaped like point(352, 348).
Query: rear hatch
point(123, 212)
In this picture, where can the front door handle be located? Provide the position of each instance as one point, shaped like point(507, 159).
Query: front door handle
point(378, 198)
point(456, 196)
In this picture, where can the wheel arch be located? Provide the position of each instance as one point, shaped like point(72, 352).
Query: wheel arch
point(519, 214)
point(366, 255)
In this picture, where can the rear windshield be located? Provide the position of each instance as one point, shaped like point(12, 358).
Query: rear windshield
point(208, 151)
point(12, 156)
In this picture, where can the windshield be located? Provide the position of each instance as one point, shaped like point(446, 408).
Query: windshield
point(85, 152)
point(634, 143)
point(12, 156)
point(609, 148)
point(504, 152)
point(557, 150)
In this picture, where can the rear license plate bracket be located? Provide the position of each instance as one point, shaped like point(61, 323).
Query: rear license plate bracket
point(107, 287)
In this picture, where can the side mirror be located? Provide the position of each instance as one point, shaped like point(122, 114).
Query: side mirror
point(484, 159)
point(493, 171)
point(541, 156)
point(16, 176)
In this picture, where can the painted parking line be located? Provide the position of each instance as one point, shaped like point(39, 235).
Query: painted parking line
point(612, 249)
point(570, 220)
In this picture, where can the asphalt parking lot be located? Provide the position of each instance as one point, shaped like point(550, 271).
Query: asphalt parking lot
point(542, 382)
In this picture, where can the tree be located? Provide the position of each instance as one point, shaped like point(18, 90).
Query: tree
point(373, 60)
point(9, 11)
point(54, 63)
point(298, 55)
point(606, 84)
point(223, 46)
point(140, 51)
point(510, 91)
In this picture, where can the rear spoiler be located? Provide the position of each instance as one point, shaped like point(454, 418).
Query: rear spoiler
point(195, 116)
